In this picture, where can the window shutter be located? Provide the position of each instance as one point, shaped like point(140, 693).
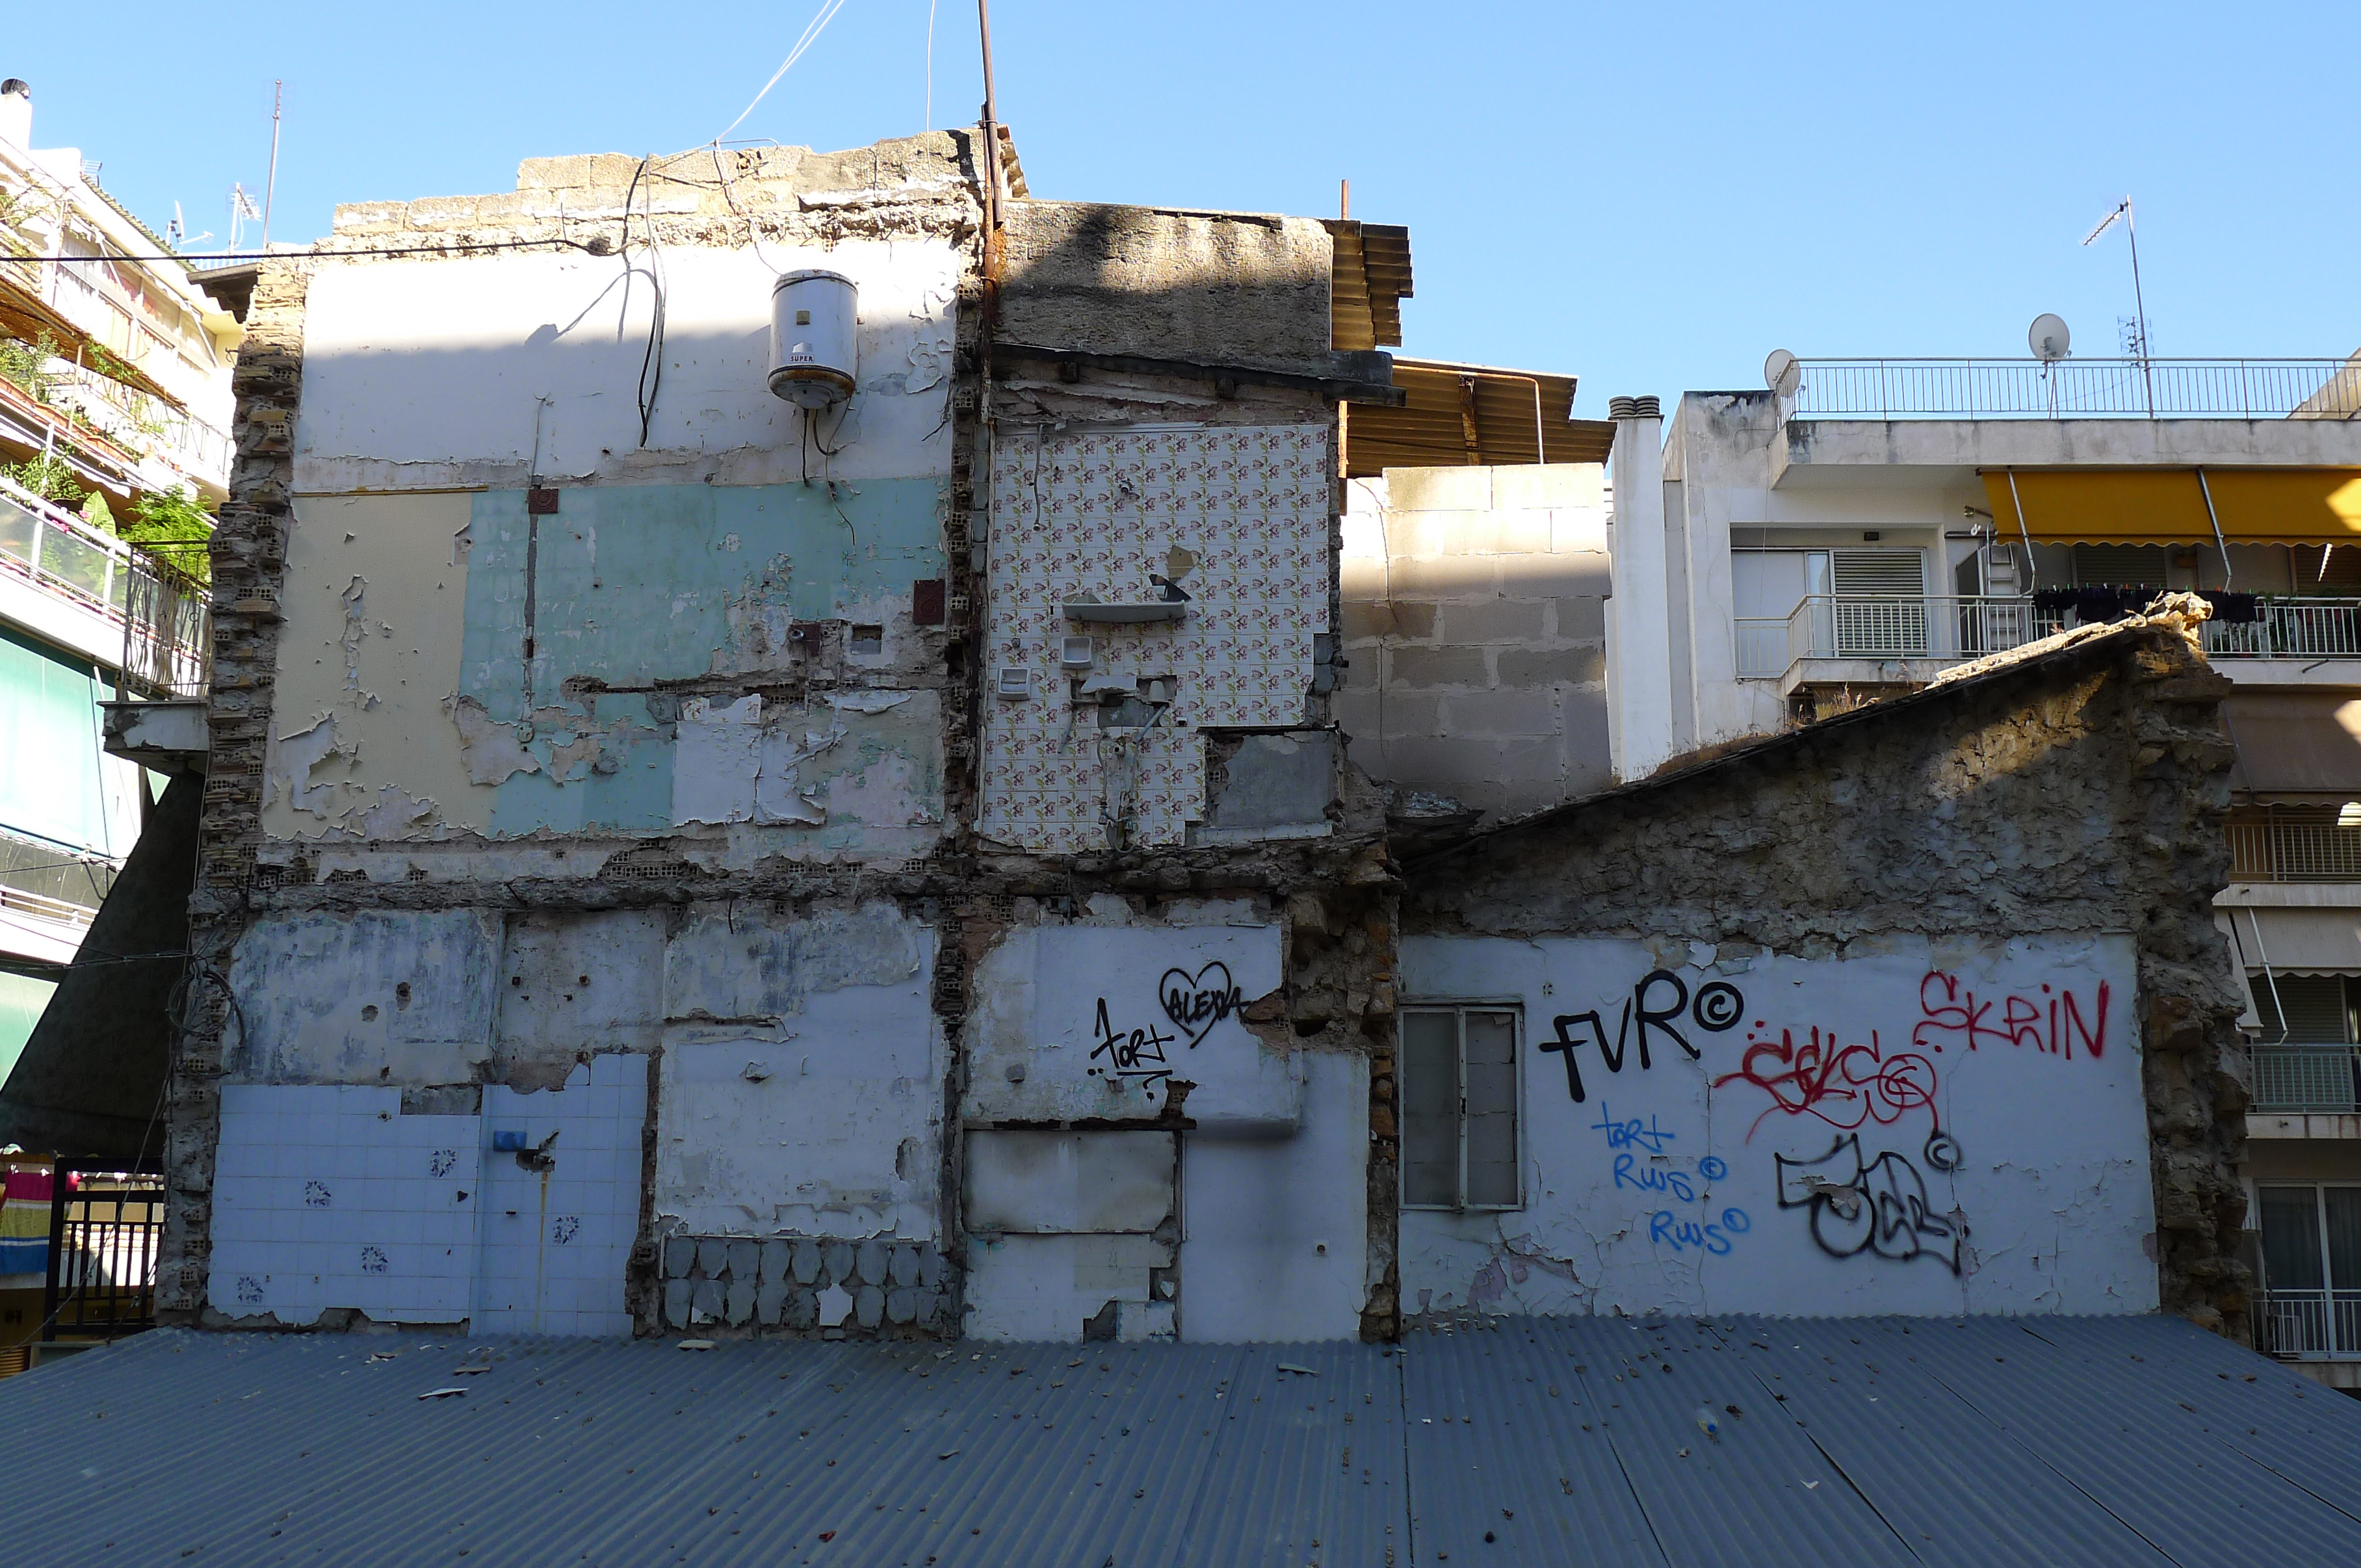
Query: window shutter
point(1491, 1108)
point(1429, 1108)
point(1889, 572)
point(2316, 1008)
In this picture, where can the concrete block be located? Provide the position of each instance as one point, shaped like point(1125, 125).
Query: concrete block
point(1277, 781)
point(1581, 620)
point(1522, 712)
point(745, 1260)
point(738, 1305)
point(1583, 744)
point(368, 217)
point(1446, 576)
point(1496, 620)
point(807, 1263)
point(1439, 490)
point(677, 1297)
point(1524, 532)
point(1553, 575)
point(834, 1306)
point(1583, 530)
point(679, 1256)
point(901, 1305)
point(1413, 621)
point(706, 1301)
point(770, 1302)
point(838, 1257)
point(1365, 621)
point(1533, 667)
point(1136, 1322)
point(778, 1258)
point(1457, 765)
point(441, 212)
point(1436, 667)
point(872, 1262)
point(1543, 485)
point(800, 1310)
point(902, 1267)
point(869, 1306)
point(1425, 534)
point(1361, 576)
point(1356, 713)
point(1069, 1183)
point(713, 1256)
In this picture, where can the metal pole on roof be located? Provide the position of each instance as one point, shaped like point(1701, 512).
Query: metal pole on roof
point(270, 190)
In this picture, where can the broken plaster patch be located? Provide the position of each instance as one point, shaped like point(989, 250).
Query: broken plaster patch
point(491, 751)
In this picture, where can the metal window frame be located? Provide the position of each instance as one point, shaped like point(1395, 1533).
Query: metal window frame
point(1459, 1007)
point(2329, 1291)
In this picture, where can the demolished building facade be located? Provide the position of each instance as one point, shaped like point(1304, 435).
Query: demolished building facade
point(674, 861)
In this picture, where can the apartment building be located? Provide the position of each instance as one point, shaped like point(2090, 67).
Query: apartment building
point(115, 391)
point(1857, 527)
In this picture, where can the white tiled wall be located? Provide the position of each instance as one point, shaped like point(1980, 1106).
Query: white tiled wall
point(1089, 515)
point(329, 1197)
point(552, 1245)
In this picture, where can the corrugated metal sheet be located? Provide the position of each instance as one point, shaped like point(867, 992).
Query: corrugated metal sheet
point(2122, 1441)
point(1516, 417)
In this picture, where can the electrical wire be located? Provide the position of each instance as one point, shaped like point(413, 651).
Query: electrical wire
point(651, 360)
point(593, 247)
point(812, 30)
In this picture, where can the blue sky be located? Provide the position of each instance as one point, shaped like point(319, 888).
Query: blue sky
point(1651, 196)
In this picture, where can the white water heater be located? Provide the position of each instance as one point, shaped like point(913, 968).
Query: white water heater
point(813, 318)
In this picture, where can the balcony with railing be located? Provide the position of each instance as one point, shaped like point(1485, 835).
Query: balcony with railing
point(2078, 388)
point(2308, 1323)
point(2293, 844)
point(1924, 626)
point(140, 440)
point(2304, 1076)
point(149, 621)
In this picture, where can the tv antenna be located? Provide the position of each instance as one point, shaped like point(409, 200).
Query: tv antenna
point(2139, 344)
point(270, 188)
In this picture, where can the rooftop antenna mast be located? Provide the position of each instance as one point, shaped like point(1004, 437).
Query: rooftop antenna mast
point(270, 190)
point(2122, 210)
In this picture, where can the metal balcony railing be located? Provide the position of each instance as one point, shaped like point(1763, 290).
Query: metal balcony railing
point(2304, 1076)
point(2309, 1322)
point(2078, 388)
point(2289, 628)
point(2294, 851)
point(1887, 626)
point(166, 625)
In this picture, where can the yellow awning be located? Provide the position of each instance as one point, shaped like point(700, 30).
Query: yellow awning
point(2167, 505)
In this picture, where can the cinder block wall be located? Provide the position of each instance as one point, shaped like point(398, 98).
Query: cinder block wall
point(1475, 631)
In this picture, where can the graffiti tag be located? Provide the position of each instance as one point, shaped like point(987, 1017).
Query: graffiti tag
point(1129, 1053)
point(1717, 1005)
point(1195, 1002)
point(1878, 1206)
point(1956, 1015)
point(1842, 1085)
point(1667, 1229)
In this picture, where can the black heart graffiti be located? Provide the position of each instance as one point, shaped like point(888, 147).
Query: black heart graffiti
point(1195, 1002)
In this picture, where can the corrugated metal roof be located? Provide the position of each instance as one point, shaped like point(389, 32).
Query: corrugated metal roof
point(1454, 415)
point(2088, 1441)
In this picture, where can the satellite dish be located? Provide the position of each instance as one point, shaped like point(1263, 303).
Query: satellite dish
point(2048, 337)
point(1782, 374)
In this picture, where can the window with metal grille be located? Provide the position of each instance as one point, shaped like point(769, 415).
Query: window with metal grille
point(1880, 601)
point(1459, 1102)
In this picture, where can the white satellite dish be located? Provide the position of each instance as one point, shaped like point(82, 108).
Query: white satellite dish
point(2048, 337)
point(1782, 373)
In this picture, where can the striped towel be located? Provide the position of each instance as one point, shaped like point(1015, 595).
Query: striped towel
point(25, 1223)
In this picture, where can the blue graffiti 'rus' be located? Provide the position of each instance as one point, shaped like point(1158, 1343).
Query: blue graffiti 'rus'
point(1667, 1229)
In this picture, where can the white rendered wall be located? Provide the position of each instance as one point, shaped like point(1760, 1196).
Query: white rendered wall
point(1906, 1130)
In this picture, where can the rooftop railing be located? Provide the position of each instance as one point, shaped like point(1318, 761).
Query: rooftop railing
point(2078, 389)
point(166, 624)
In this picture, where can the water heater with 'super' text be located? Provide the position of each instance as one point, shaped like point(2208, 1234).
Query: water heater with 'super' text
point(813, 317)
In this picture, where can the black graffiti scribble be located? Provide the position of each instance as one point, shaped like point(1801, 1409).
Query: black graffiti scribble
point(1195, 1002)
point(1719, 1005)
point(1877, 1206)
point(1129, 1053)
point(1942, 1151)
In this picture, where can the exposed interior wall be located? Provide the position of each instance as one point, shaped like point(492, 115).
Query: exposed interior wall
point(1918, 1128)
point(1969, 822)
point(1475, 634)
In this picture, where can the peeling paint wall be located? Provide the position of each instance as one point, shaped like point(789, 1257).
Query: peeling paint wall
point(1913, 1128)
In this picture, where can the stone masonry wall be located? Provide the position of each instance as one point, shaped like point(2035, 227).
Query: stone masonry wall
point(2070, 789)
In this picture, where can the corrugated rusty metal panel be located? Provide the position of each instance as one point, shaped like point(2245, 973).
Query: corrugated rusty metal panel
point(1429, 431)
point(1369, 278)
point(2119, 1440)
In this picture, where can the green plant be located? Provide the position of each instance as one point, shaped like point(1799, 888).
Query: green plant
point(51, 477)
point(172, 527)
point(26, 364)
